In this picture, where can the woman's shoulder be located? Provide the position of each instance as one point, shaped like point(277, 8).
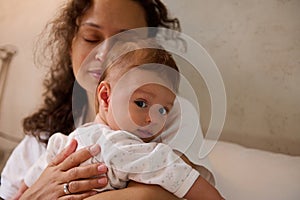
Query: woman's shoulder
point(29, 148)
point(21, 159)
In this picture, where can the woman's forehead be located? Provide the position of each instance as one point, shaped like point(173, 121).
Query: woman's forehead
point(116, 15)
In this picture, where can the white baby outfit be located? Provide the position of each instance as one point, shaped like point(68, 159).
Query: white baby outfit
point(127, 158)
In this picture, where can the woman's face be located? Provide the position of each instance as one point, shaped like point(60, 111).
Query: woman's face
point(104, 19)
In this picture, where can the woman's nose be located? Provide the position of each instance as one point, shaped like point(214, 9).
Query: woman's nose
point(103, 50)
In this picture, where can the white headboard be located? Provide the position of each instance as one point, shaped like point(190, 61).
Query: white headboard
point(7, 53)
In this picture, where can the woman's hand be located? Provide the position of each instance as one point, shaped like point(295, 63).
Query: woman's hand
point(22, 189)
point(65, 169)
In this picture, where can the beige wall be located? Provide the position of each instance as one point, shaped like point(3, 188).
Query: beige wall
point(256, 45)
point(21, 22)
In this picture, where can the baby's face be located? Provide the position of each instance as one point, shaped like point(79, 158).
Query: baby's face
point(149, 106)
point(146, 112)
point(139, 102)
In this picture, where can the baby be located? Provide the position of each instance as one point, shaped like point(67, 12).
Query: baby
point(136, 92)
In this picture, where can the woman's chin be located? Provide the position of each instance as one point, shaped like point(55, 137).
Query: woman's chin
point(89, 83)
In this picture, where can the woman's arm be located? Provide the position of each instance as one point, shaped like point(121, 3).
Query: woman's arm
point(201, 189)
point(136, 191)
point(65, 169)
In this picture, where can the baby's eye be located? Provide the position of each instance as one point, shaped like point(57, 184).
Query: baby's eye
point(141, 103)
point(163, 111)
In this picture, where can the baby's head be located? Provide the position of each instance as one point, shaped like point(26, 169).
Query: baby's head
point(137, 89)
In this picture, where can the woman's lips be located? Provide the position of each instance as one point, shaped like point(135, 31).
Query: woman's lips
point(95, 73)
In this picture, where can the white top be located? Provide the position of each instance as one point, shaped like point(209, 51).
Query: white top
point(127, 158)
point(21, 159)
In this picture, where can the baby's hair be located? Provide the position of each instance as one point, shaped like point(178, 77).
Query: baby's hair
point(124, 56)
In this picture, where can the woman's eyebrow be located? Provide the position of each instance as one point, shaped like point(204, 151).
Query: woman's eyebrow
point(91, 24)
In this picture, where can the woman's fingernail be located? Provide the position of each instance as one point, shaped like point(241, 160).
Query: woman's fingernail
point(94, 150)
point(102, 181)
point(102, 168)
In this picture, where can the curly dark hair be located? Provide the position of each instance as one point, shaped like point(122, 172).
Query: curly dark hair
point(55, 114)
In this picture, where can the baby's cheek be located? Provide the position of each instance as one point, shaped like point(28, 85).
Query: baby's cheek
point(137, 117)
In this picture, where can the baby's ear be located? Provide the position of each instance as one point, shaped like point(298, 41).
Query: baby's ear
point(103, 93)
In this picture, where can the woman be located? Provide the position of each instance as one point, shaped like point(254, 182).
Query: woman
point(80, 27)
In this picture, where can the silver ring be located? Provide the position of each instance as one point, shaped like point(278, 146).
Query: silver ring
point(66, 188)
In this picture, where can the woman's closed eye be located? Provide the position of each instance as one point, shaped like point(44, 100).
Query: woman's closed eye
point(92, 38)
point(93, 41)
point(90, 34)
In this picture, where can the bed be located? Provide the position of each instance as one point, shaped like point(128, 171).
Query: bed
point(247, 174)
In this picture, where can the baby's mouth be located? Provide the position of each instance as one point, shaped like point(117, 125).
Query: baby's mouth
point(144, 133)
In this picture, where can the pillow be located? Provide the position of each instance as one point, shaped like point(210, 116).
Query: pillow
point(246, 174)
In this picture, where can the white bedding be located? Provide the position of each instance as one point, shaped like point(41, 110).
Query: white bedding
point(250, 174)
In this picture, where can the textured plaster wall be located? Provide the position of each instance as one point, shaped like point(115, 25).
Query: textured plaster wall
point(20, 23)
point(256, 45)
